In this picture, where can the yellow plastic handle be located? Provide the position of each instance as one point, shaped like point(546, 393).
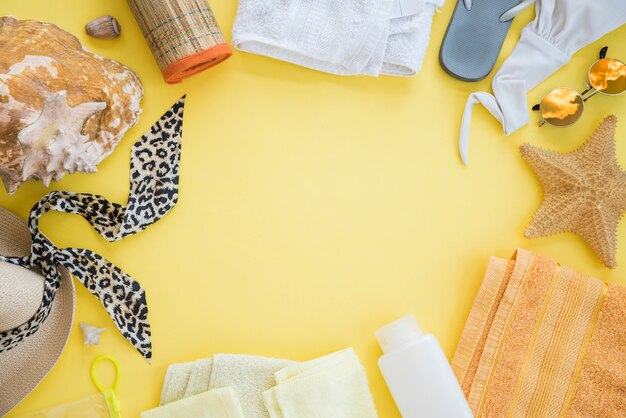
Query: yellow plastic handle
point(109, 394)
point(95, 381)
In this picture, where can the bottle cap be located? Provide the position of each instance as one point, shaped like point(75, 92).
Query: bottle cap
point(398, 333)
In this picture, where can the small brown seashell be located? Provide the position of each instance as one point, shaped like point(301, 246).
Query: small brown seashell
point(104, 27)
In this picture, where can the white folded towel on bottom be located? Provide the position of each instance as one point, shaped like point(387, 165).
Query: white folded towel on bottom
point(248, 376)
point(334, 386)
point(217, 403)
point(200, 377)
point(175, 383)
point(343, 37)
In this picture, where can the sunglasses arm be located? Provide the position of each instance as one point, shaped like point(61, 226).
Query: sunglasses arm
point(603, 52)
point(536, 108)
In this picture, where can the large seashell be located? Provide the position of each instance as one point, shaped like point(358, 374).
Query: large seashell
point(63, 108)
point(104, 27)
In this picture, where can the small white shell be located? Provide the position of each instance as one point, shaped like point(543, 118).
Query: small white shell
point(91, 334)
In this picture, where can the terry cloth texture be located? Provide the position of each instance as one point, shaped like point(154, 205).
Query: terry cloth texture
point(344, 37)
point(543, 340)
point(249, 376)
point(334, 386)
point(175, 383)
point(199, 377)
point(218, 403)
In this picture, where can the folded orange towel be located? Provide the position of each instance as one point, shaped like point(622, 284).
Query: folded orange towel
point(542, 340)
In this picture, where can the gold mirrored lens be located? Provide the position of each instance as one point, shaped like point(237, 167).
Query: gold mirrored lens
point(608, 76)
point(562, 107)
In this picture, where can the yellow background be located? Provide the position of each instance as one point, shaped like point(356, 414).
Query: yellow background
point(313, 208)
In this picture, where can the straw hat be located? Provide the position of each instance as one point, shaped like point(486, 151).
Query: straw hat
point(21, 290)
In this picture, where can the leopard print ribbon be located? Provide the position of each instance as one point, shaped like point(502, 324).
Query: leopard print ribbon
point(154, 169)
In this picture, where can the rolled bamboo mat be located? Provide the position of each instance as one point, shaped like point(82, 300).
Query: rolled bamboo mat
point(183, 36)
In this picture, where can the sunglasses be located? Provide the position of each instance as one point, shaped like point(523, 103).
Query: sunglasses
point(564, 106)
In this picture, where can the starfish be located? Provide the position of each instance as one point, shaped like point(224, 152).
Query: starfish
point(584, 192)
point(54, 143)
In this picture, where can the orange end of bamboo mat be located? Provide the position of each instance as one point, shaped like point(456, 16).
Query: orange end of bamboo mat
point(193, 64)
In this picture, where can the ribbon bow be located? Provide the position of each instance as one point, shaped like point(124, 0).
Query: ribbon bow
point(154, 168)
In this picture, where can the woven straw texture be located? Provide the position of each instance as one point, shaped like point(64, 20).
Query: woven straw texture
point(23, 367)
point(176, 29)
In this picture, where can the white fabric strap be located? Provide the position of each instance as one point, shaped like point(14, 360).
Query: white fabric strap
point(510, 85)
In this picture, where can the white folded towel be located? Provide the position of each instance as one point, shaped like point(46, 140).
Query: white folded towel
point(409, 36)
point(175, 382)
point(250, 376)
point(334, 386)
point(199, 378)
point(218, 403)
point(344, 37)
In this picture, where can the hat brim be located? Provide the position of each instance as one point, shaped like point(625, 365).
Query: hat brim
point(23, 367)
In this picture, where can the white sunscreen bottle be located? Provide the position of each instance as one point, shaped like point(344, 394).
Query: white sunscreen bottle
point(418, 374)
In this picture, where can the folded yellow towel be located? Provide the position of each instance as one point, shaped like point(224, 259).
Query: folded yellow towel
point(217, 403)
point(175, 383)
point(542, 340)
point(199, 378)
point(334, 386)
point(249, 376)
